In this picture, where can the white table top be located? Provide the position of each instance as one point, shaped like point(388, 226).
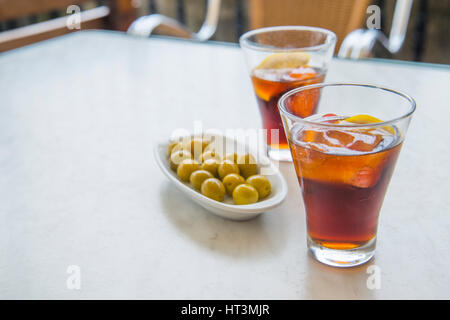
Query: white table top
point(79, 116)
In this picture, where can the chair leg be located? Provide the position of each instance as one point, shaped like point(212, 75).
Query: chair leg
point(122, 14)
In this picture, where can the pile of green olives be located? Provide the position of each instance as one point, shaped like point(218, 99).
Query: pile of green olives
point(196, 161)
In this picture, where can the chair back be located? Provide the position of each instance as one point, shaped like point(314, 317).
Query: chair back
point(116, 15)
point(341, 16)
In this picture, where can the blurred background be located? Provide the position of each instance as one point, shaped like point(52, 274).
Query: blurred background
point(413, 30)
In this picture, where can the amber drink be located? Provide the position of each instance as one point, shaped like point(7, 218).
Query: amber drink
point(280, 59)
point(344, 163)
point(343, 173)
point(269, 86)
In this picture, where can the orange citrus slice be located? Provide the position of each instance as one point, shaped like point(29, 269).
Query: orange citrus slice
point(282, 60)
point(363, 119)
point(366, 119)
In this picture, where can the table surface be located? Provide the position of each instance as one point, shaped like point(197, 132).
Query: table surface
point(79, 116)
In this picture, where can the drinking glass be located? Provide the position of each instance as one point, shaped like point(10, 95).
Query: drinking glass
point(280, 59)
point(344, 155)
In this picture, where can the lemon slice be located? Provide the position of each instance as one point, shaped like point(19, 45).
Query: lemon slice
point(283, 60)
point(366, 119)
point(363, 119)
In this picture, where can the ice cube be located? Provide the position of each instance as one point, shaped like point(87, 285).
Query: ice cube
point(303, 104)
point(365, 141)
point(341, 156)
point(302, 73)
point(365, 177)
point(338, 138)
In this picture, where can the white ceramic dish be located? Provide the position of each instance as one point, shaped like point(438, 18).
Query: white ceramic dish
point(227, 209)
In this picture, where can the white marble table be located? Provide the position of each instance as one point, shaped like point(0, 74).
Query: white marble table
point(79, 116)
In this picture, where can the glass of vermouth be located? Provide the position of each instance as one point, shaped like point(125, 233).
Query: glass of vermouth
point(344, 156)
point(280, 59)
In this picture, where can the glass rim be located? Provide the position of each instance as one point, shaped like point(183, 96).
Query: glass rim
point(245, 43)
point(284, 97)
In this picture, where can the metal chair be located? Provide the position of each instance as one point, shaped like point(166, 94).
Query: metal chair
point(146, 25)
point(113, 14)
point(359, 43)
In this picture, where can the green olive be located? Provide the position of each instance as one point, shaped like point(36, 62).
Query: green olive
point(261, 184)
point(231, 181)
point(185, 169)
point(226, 167)
point(213, 188)
point(172, 145)
point(210, 147)
point(247, 165)
point(179, 146)
point(197, 177)
point(245, 194)
point(197, 146)
point(177, 157)
point(210, 165)
point(231, 156)
point(211, 154)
